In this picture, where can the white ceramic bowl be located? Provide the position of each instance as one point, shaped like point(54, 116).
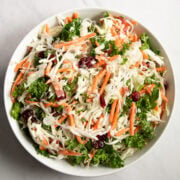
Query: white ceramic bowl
point(61, 165)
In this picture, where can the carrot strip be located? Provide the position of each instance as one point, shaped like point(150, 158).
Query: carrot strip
point(161, 69)
point(121, 132)
point(16, 82)
point(31, 102)
point(61, 119)
point(118, 42)
point(100, 63)
point(69, 153)
point(76, 41)
point(45, 141)
point(68, 20)
point(97, 44)
point(42, 148)
point(163, 96)
point(97, 122)
point(113, 57)
point(47, 28)
point(75, 15)
point(131, 119)
point(116, 114)
point(145, 56)
point(91, 156)
point(20, 64)
point(113, 32)
point(112, 110)
point(96, 79)
point(64, 70)
point(71, 119)
point(80, 140)
point(48, 69)
point(137, 129)
point(163, 105)
point(106, 79)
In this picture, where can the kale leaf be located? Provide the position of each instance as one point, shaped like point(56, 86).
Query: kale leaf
point(15, 110)
point(38, 88)
point(70, 30)
point(145, 41)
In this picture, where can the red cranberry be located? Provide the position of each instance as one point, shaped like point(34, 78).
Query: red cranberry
point(27, 114)
point(41, 54)
point(56, 114)
point(135, 96)
point(95, 144)
point(86, 62)
point(102, 101)
point(52, 56)
point(61, 97)
point(101, 144)
point(102, 137)
point(166, 85)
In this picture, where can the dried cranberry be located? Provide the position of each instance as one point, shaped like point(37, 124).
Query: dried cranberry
point(102, 137)
point(27, 114)
point(166, 85)
point(102, 101)
point(135, 96)
point(86, 62)
point(63, 96)
point(33, 119)
point(101, 144)
point(95, 144)
point(56, 114)
point(41, 54)
point(52, 56)
point(147, 64)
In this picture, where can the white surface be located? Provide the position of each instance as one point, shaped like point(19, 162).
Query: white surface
point(161, 17)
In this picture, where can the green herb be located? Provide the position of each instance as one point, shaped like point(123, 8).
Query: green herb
point(111, 46)
point(70, 30)
point(106, 14)
point(59, 109)
point(46, 127)
point(83, 119)
point(38, 88)
point(42, 152)
point(145, 41)
point(18, 90)
point(136, 141)
point(40, 114)
point(125, 47)
point(107, 157)
point(125, 59)
point(36, 60)
point(71, 87)
point(152, 80)
point(15, 110)
point(127, 105)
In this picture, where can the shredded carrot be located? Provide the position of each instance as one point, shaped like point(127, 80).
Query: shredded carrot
point(61, 119)
point(64, 70)
point(118, 42)
point(147, 89)
point(112, 110)
point(69, 153)
point(48, 69)
point(68, 20)
point(131, 119)
point(123, 90)
point(161, 69)
point(89, 100)
point(31, 102)
point(113, 57)
point(96, 79)
point(80, 140)
point(47, 28)
point(97, 122)
point(20, 64)
point(45, 141)
point(71, 119)
point(163, 105)
point(163, 96)
point(134, 22)
point(106, 79)
point(75, 15)
point(100, 63)
point(113, 32)
point(145, 56)
point(156, 108)
point(137, 64)
point(97, 44)
point(16, 82)
point(137, 129)
point(91, 156)
point(76, 41)
point(116, 114)
point(51, 104)
point(121, 132)
point(42, 148)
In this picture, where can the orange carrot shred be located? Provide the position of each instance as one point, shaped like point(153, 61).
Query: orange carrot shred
point(161, 69)
point(116, 114)
point(112, 110)
point(132, 117)
point(113, 57)
point(75, 15)
point(106, 79)
point(121, 132)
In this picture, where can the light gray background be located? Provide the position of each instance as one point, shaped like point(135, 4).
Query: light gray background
point(161, 17)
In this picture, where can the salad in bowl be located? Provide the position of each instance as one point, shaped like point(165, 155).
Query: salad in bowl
point(90, 92)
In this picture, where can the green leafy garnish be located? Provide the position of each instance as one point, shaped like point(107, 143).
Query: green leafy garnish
point(125, 47)
point(70, 30)
point(106, 14)
point(46, 127)
point(125, 59)
point(71, 87)
point(145, 41)
point(40, 114)
point(19, 89)
point(38, 88)
point(15, 110)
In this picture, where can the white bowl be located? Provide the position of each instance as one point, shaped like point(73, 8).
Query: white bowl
point(62, 165)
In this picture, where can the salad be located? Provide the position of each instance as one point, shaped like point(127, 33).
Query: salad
point(91, 92)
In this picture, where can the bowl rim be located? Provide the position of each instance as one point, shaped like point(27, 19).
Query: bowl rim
point(113, 170)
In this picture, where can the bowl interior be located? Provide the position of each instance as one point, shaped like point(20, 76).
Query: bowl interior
point(61, 165)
